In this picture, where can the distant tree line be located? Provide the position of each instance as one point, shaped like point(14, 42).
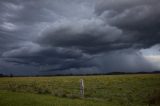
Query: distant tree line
point(110, 73)
point(3, 75)
point(88, 74)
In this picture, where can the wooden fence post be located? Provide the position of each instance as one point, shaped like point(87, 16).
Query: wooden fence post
point(81, 88)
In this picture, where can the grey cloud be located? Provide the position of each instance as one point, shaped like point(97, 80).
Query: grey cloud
point(58, 58)
point(138, 19)
point(129, 60)
point(45, 11)
point(87, 35)
point(80, 37)
point(121, 5)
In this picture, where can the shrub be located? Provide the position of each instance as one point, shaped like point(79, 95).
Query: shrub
point(154, 98)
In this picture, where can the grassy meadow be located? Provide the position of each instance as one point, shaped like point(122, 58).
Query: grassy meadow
point(102, 90)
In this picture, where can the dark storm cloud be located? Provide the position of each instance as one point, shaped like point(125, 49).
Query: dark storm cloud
point(119, 25)
point(139, 18)
point(77, 36)
point(87, 35)
point(127, 61)
point(59, 58)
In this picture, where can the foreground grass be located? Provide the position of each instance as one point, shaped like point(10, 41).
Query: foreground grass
point(113, 90)
point(8, 98)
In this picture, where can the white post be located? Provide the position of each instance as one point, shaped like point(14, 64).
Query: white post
point(81, 88)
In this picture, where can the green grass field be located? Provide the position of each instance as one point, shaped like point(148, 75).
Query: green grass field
point(107, 90)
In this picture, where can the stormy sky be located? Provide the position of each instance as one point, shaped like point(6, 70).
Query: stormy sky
point(79, 36)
